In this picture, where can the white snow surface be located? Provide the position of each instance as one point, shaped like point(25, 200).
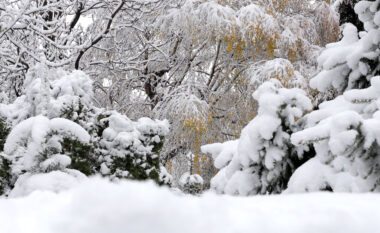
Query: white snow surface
point(98, 206)
point(54, 181)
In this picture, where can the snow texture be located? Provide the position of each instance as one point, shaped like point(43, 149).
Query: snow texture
point(98, 206)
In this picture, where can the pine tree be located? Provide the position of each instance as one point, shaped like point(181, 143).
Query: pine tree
point(345, 130)
point(262, 160)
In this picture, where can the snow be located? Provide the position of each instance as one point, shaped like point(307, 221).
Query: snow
point(315, 175)
point(63, 125)
point(56, 161)
point(221, 152)
point(54, 181)
point(148, 126)
point(100, 206)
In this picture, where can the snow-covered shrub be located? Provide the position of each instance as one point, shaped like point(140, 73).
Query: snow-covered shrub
point(4, 164)
point(130, 149)
point(55, 127)
point(345, 133)
point(5, 179)
point(191, 183)
point(39, 145)
point(353, 61)
point(263, 159)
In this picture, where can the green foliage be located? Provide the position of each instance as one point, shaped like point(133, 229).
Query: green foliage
point(5, 177)
point(4, 131)
point(80, 154)
point(125, 160)
point(136, 169)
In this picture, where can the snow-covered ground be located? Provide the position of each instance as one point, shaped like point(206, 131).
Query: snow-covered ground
point(96, 205)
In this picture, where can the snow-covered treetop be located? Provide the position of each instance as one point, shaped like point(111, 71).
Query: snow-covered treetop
point(49, 92)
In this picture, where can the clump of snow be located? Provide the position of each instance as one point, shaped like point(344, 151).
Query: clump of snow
point(54, 181)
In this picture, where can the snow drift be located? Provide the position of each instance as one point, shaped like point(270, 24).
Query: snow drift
point(100, 206)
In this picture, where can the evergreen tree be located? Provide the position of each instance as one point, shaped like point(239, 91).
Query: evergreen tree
point(262, 160)
point(345, 130)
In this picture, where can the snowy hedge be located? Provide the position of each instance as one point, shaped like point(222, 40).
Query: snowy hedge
point(54, 126)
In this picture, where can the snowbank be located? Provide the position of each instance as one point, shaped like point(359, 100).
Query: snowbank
point(100, 206)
